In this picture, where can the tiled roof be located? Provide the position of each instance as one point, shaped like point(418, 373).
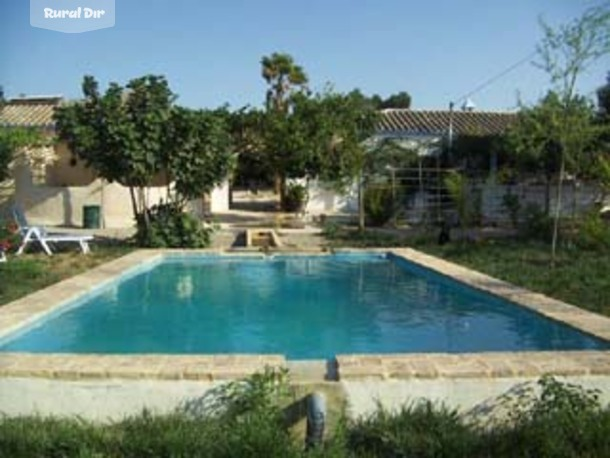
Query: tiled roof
point(29, 112)
point(433, 122)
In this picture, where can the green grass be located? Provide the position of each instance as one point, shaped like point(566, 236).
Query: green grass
point(23, 275)
point(562, 421)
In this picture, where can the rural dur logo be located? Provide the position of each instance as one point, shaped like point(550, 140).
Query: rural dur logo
point(72, 16)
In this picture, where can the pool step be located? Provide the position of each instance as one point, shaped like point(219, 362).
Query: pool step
point(317, 370)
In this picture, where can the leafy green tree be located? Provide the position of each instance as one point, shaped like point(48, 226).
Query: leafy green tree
point(285, 79)
point(315, 136)
point(564, 54)
point(399, 100)
point(246, 128)
point(603, 98)
point(120, 133)
point(330, 130)
point(328, 134)
point(15, 140)
point(537, 134)
point(131, 135)
point(197, 152)
point(603, 116)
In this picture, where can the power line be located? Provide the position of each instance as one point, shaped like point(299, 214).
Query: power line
point(494, 78)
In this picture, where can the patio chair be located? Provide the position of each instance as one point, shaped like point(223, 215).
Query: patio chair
point(46, 239)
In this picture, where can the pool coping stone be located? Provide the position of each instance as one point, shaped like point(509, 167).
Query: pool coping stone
point(25, 311)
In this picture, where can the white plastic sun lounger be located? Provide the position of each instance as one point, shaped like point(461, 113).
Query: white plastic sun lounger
point(39, 234)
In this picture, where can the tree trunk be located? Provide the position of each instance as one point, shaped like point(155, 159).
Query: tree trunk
point(574, 199)
point(277, 189)
point(280, 189)
point(547, 195)
point(134, 205)
point(360, 204)
point(557, 211)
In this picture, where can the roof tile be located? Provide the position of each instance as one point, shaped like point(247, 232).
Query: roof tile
point(435, 122)
point(29, 112)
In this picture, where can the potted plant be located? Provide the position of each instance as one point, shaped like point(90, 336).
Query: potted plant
point(9, 237)
point(295, 198)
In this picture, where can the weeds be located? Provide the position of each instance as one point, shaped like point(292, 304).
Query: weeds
point(554, 419)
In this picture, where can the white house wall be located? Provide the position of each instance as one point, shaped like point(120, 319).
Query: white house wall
point(219, 198)
point(63, 205)
point(323, 199)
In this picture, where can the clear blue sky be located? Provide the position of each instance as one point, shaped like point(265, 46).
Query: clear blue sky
point(210, 50)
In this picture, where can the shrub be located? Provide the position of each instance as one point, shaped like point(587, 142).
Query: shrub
point(295, 198)
point(170, 227)
point(536, 224)
point(378, 206)
point(246, 419)
point(331, 230)
point(9, 235)
point(457, 187)
point(565, 420)
point(421, 430)
point(512, 205)
point(593, 232)
point(37, 436)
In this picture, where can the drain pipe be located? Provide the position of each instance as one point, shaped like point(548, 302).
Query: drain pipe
point(316, 420)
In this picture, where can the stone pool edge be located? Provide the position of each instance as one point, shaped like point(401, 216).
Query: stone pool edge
point(349, 367)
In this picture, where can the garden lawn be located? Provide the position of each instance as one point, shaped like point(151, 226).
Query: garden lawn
point(30, 272)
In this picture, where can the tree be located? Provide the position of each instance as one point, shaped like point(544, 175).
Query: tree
point(327, 134)
point(26, 145)
point(603, 116)
point(285, 79)
point(314, 136)
point(134, 134)
point(603, 99)
point(197, 152)
point(119, 133)
point(333, 128)
point(535, 138)
point(564, 54)
point(399, 100)
point(246, 128)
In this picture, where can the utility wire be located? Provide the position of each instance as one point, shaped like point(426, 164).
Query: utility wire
point(493, 79)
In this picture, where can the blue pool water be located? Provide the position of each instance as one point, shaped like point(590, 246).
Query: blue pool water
point(302, 307)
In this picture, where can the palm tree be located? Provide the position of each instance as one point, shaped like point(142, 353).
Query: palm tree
point(283, 77)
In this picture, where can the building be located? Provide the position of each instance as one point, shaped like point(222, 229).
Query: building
point(426, 132)
point(58, 194)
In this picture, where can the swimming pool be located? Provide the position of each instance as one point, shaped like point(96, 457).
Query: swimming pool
point(305, 307)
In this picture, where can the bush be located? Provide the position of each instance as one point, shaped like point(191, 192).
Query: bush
point(170, 227)
point(421, 430)
point(593, 233)
point(512, 205)
point(295, 198)
point(243, 420)
point(9, 235)
point(246, 419)
point(457, 187)
point(565, 420)
point(378, 206)
point(536, 223)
